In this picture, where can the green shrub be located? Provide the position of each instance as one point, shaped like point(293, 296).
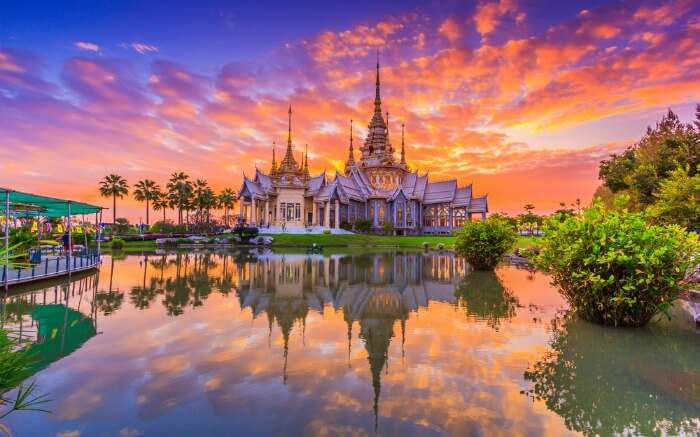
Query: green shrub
point(346, 225)
point(484, 243)
point(388, 227)
point(440, 247)
point(117, 243)
point(163, 227)
point(425, 245)
point(327, 231)
point(615, 268)
point(363, 225)
point(183, 240)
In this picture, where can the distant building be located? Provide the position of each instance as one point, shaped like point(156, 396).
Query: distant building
point(378, 188)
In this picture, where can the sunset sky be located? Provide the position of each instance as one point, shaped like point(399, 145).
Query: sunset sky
point(522, 98)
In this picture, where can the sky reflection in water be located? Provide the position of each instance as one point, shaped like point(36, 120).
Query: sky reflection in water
point(397, 343)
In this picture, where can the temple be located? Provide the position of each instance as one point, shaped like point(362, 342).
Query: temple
point(377, 187)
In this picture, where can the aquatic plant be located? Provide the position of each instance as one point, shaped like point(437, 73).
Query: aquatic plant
point(615, 268)
point(117, 243)
point(484, 243)
point(14, 362)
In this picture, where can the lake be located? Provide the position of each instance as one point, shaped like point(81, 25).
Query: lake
point(388, 343)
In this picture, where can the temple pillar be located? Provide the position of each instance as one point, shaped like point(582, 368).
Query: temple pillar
point(314, 214)
point(253, 211)
point(483, 216)
point(337, 214)
point(267, 212)
point(242, 214)
point(327, 214)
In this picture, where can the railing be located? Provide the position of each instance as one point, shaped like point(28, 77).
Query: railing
point(50, 267)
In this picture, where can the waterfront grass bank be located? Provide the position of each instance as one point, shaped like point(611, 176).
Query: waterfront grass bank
point(347, 240)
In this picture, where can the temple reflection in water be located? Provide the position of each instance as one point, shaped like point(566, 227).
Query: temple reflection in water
point(376, 291)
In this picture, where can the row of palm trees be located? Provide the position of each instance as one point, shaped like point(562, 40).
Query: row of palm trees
point(180, 193)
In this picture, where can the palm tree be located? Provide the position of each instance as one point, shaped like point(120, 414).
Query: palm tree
point(204, 199)
point(161, 203)
point(179, 192)
point(145, 191)
point(227, 200)
point(114, 186)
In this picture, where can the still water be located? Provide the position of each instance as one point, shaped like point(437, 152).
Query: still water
point(407, 343)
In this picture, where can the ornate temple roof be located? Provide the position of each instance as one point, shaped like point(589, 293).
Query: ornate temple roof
point(289, 164)
point(440, 192)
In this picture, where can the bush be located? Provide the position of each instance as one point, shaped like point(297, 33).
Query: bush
point(163, 227)
point(122, 226)
point(425, 245)
point(183, 240)
point(615, 268)
point(117, 243)
point(484, 243)
point(363, 225)
point(388, 227)
point(440, 247)
point(346, 225)
point(327, 231)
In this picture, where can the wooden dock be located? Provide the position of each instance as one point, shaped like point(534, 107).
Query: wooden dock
point(50, 267)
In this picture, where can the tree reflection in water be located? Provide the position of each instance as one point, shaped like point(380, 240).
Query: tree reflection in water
point(482, 295)
point(606, 381)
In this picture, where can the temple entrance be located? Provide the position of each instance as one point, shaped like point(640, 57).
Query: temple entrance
point(331, 219)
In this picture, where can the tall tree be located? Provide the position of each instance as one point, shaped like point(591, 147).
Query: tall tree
point(161, 203)
point(179, 192)
point(664, 148)
point(146, 191)
point(227, 199)
point(203, 200)
point(114, 186)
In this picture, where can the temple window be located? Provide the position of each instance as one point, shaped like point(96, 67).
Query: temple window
point(459, 217)
point(297, 211)
point(409, 216)
point(429, 217)
point(381, 215)
point(443, 216)
point(399, 216)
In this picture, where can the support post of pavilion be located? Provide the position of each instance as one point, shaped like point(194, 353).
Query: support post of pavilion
point(6, 267)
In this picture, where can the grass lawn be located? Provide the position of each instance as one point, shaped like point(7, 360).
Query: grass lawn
point(348, 240)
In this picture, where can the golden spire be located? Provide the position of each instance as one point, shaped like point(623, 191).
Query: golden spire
point(289, 164)
point(351, 155)
point(273, 168)
point(377, 98)
point(306, 160)
point(289, 134)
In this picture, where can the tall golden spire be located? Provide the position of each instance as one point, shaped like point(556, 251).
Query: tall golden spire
point(306, 160)
point(273, 168)
point(377, 97)
point(289, 164)
point(403, 150)
point(289, 134)
point(351, 155)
